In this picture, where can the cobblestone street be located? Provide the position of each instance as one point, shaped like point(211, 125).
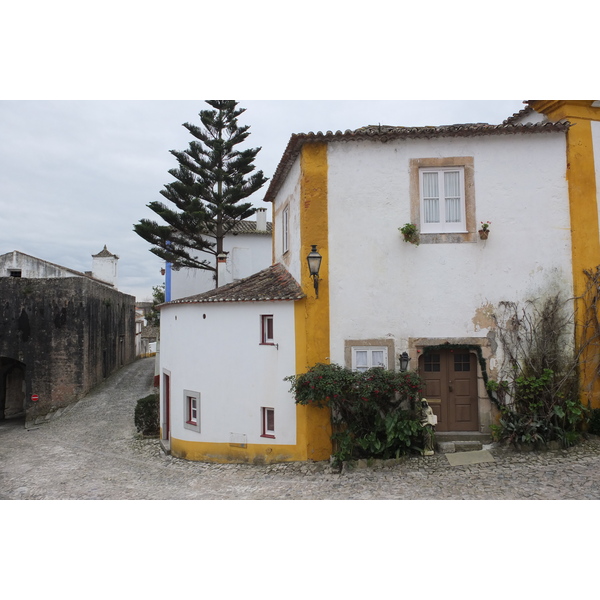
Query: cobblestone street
point(92, 452)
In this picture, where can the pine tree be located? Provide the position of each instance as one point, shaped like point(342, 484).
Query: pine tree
point(212, 180)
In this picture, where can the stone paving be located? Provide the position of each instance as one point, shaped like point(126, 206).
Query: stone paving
point(92, 452)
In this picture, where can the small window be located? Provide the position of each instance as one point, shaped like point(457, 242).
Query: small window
point(266, 329)
point(432, 363)
point(462, 362)
point(442, 200)
point(367, 357)
point(191, 408)
point(268, 422)
point(15, 273)
point(285, 229)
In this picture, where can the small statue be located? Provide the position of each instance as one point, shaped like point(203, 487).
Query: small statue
point(428, 422)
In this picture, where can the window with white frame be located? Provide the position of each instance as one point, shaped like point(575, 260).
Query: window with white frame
point(442, 192)
point(268, 422)
point(285, 229)
point(367, 357)
point(191, 410)
point(266, 329)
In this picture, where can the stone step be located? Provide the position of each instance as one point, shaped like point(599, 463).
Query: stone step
point(463, 436)
point(458, 446)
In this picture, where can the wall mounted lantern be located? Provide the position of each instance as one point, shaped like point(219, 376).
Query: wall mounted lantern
point(314, 264)
point(404, 360)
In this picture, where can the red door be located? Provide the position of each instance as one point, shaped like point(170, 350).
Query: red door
point(166, 407)
point(450, 378)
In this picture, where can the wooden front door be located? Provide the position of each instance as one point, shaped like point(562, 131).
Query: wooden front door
point(450, 378)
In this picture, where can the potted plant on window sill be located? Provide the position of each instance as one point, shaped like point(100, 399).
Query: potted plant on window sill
point(485, 230)
point(410, 233)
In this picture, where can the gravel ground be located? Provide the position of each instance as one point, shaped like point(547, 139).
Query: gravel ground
point(92, 452)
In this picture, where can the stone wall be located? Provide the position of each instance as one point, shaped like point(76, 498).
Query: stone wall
point(69, 334)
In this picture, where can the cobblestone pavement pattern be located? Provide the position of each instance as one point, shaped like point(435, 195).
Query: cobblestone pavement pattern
point(92, 452)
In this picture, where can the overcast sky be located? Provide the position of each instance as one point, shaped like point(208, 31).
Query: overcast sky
point(76, 175)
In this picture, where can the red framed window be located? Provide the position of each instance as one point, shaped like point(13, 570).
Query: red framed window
point(192, 404)
point(191, 410)
point(266, 329)
point(268, 422)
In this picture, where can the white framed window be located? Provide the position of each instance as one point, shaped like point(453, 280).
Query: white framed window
point(191, 410)
point(266, 329)
point(268, 422)
point(285, 229)
point(367, 357)
point(442, 200)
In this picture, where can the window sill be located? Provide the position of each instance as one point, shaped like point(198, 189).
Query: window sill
point(267, 344)
point(267, 435)
point(448, 238)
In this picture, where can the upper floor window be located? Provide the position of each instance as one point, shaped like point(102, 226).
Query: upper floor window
point(266, 329)
point(285, 229)
point(442, 200)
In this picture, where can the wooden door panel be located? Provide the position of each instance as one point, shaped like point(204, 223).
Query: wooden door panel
point(450, 379)
point(433, 388)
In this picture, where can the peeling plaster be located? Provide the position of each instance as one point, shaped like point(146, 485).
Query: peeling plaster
point(484, 317)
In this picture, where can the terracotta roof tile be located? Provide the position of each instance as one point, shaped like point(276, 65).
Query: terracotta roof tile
point(385, 133)
point(250, 227)
point(104, 253)
point(271, 284)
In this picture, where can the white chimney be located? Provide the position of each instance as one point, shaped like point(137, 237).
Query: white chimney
point(104, 266)
point(224, 275)
point(261, 219)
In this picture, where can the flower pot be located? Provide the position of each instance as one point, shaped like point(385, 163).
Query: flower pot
point(483, 234)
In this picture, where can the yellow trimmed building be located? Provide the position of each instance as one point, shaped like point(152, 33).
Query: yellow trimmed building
point(376, 298)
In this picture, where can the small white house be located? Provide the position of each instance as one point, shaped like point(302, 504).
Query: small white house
point(224, 355)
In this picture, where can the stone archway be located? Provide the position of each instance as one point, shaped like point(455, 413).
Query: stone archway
point(12, 388)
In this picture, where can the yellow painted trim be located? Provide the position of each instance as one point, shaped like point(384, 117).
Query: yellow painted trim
point(571, 110)
point(226, 453)
point(312, 314)
point(585, 230)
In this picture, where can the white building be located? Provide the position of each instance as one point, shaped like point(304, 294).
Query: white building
point(248, 250)
point(378, 296)
point(19, 264)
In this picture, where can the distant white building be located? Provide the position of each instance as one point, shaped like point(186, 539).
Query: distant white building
point(248, 250)
point(19, 264)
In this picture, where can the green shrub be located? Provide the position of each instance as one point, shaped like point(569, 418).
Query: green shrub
point(595, 421)
point(147, 415)
point(373, 412)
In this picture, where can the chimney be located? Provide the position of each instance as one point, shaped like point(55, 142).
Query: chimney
point(224, 275)
point(261, 219)
point(104, 266)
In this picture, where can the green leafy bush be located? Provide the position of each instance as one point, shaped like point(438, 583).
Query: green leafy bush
point(538, 386)
point(540, 413)
point(373, 412)
point(147, 415)
point(595, 421)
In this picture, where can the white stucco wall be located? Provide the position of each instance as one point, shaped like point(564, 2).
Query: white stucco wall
point(248, 254)
point(31, 267)
point(383, 287)
point(289, 195)
point(214, 349)
point(105, 268)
